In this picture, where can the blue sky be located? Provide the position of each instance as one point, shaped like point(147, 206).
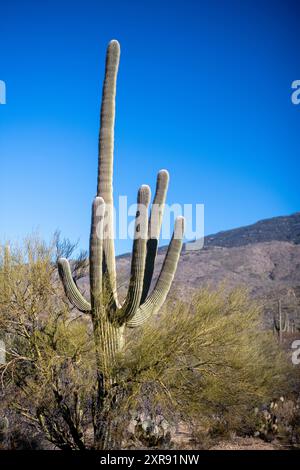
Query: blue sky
point(204, 90)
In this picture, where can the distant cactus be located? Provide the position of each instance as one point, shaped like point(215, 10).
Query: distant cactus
point(110, 317)
point(6, 267)
point(282, 323)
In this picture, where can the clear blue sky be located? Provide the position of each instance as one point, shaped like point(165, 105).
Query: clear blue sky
point(203, 90)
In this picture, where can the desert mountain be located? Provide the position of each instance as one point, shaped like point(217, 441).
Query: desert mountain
point(264, 256)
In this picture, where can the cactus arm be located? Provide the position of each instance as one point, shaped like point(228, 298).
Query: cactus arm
point(71, 290)
point(276, 323)
point(285, 323)
point(157, 297)
point(105, 165)
point(135, 288)
point(154, 229)
point(288, 323)
point(157, 209)
point(96, 242)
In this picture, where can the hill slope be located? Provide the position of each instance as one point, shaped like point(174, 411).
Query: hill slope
point(284, 228)
point(264, 256)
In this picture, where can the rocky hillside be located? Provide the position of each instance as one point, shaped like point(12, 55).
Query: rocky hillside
point(264, 256)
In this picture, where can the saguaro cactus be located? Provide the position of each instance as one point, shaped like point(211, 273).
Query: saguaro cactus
point(282, 323)
point(110, 318)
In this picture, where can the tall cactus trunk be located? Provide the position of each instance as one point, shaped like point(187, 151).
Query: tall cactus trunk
point(109, 317)
point(108, 343)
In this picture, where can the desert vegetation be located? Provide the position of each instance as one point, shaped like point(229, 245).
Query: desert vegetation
point(207, 363)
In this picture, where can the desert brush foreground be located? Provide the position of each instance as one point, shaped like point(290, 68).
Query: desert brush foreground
point(206, 365)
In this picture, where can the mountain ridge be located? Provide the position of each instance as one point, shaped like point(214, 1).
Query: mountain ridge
point(283, 228)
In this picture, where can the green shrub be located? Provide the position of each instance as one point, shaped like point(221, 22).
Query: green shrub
point(208, 363)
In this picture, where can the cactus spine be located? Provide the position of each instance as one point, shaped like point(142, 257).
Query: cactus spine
point(110, 318)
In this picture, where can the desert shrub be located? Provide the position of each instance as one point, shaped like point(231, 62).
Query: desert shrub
point(48, 377)
point(208, 363)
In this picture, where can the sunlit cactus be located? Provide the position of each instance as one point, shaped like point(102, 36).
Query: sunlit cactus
point(110, 318)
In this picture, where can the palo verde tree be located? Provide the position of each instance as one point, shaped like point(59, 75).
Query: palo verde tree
point(109, 316)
